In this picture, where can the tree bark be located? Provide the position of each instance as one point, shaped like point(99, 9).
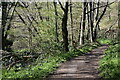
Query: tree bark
point(93, 11)
point(71, 18)
point(83, 24)
point(98, 21)
point(80, 28)
point(48, 10)
point(97, 14)
point(119, 22)
point(88, 20)
point(40, 17)
point(4, 20)
point(64, 26)
point(0, 29)
point(91, 22)
point(6, 23)
point(56, 21)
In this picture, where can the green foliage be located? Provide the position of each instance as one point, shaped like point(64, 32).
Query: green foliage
point(22, 50)
point(104, 41)
point(107, 41)
point(85, 48)
point(47, 66)
point(109, 66)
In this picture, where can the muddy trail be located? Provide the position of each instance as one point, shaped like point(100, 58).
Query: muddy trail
point(84, 67)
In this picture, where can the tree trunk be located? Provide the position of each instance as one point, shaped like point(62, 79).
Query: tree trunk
point(71, 18)
point(80, 28)
point(83, 25)
point(0, 29)
point(56, 21)
point(30, 40)
point(119, 22)
point(48, 10)
point(64, 26)
point(98, 21)
point(6, 25)
point(91, 22)
point(109, 16)
point(97, 14)
point(93, 11)
point(88, 18)
point(40, 17)
point(4, 21)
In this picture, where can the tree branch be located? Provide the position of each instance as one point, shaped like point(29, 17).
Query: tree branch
point(61, 5)
point(112, 25)
point(100, 7)
point(102, 15)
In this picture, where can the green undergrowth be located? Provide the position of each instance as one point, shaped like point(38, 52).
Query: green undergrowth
point(109, 67)
point(107, 41)
point(47, 66)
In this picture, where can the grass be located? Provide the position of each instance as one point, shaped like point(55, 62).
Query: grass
point(47, 66)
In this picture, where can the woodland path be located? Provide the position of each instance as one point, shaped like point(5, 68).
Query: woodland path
point(83, 67)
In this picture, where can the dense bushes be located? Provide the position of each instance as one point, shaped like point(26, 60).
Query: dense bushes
point(109, 64)
point(42, 69)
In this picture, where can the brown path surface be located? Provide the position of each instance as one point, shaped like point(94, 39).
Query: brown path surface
point(84, 67)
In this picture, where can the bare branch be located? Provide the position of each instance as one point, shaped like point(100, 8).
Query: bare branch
point(100, 7)
point(112, 25)
point(20, 17)
point(61, 5)
point(102, 15)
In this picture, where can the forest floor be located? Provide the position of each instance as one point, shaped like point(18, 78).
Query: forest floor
point(84, 67)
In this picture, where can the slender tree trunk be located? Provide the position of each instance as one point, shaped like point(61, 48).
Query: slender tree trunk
point(40, 17)
point(80, 28)
point(88, 18)
point(56, 21)
point(98, 21)
point(4, 21)
point(91, 22)
point(83, 24)
point(71, 18)
point(0, 29)
point(109, 16)
point(119, 22)
point(93, 11)
point(48, 10)
point(118, 37)
point(30, 40)
point(8, 23)
point(97, 14)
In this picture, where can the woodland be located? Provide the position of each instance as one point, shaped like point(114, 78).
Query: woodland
point(36, 37)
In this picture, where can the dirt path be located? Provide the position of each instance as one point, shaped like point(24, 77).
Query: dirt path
point(82, 67)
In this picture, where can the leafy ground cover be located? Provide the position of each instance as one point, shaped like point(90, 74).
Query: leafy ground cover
point(48, 65)
point(109, 64)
